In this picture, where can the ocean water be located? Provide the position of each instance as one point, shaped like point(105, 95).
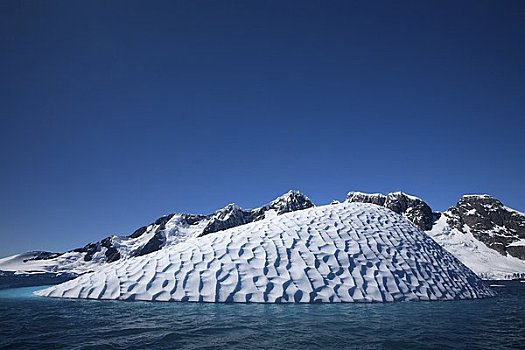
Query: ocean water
point(29, 322)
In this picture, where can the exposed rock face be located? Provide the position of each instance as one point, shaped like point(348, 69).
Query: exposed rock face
point(483, 233)
point(228, 217)
point(223, 219)
point(192, 219)
point(162, 221)
point(44, 256)
point(413, 208)
point(360, 197)
point(233, 216)
point(517, 251)
point(90, 249)
point(490, 222)
point(291, 201)
point(153, 244)
point(112, 253)
point(138, 232)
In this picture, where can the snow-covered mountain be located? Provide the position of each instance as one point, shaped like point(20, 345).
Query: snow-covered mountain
point(348, 252)
point(485, 235)
point(479, 230)
point(166, 230)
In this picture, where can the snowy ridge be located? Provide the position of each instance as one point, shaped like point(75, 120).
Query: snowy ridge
point(487, 263)
point(165, 231)
point(31, 262)
point(479, 230)
point(349, 252)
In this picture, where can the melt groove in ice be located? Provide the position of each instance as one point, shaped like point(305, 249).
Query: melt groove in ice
point(348, 252)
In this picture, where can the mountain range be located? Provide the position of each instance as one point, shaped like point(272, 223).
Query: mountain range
point(484, 234)
point(344, 252)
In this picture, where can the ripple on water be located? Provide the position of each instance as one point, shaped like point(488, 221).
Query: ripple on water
point(40, 323)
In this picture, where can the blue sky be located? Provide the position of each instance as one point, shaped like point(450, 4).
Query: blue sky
point(114, 113)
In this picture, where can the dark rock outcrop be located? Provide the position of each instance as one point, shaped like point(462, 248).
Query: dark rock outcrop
point(44, 256)
point(517, 251)
point(192, 219)
point(490, 222)
point(228, 217)
point(223, 219)
point(138, 232)
point(233, 216)
point(360, 197)
point(162, 221)
point(291, 201)
point(159, 226)
point(415, 210)
point(112, 253)
point(154, 244)
point(90, 250)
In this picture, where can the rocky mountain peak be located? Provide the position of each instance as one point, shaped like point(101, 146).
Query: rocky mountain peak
point(360, 197)
point(490, 222)
point(479, 200)
point(225, 218)
point(290, 201)
point(415, 209)
point(231, 209)
point(481, 224)
point(232, 215)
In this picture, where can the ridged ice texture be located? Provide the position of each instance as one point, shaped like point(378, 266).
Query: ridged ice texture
point(349, 252)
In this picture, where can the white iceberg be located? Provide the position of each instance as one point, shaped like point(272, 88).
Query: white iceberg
point(348, 252)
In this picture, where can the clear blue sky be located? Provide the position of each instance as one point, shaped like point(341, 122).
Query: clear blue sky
point(115, 112)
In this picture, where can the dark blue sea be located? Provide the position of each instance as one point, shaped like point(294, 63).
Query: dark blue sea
point(29, 322)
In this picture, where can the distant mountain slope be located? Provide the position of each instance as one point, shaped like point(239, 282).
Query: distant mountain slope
point(490, 222)
point(167, 230)
point(349, 252)
point(484, 234)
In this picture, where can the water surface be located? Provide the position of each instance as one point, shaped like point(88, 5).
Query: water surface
point(29, 322)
